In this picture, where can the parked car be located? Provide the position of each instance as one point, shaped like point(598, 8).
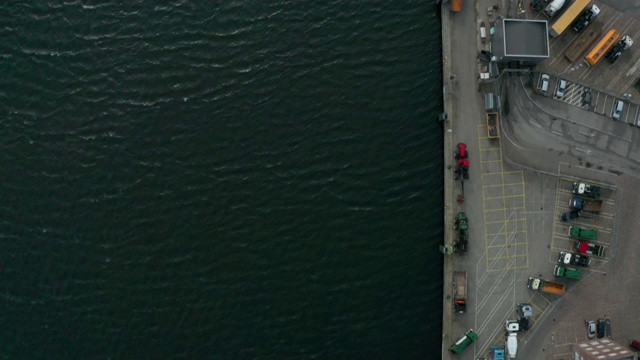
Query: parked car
point(586, 96)
point(568, 216)
point(634, 344)
point(591, 329)
point(562, 86)
point(544, 85)
point(616, 111)
point(600, 328)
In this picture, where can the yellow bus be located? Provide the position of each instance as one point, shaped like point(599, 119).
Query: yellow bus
point(601, 48)
point(568, 17)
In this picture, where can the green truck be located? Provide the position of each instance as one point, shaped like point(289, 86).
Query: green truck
point(569, 273)
point(463, 342)
point(583, 234)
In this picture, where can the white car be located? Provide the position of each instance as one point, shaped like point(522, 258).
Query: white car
point(562, 86)
point(616, 111)
point(591, 329)
point(544, 85)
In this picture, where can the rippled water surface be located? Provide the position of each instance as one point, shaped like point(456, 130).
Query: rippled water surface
point(220, 180)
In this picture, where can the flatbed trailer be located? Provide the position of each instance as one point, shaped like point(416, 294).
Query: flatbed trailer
point(586, 204)
point(545, 286)
point(583, 42)
point(460, 291)
point(493, 120)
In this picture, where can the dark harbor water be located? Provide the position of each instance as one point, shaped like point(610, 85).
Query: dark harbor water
point(209, 180)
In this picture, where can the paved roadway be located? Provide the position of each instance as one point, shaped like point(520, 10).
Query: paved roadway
point(494, 197)
point(518, 187)
point(564, 143)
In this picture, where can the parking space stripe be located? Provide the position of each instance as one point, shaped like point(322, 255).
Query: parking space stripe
point(603, 222)
point(502, 200)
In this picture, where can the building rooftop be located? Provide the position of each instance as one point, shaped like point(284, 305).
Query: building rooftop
point(516, 39)
point(526, 38)
point(601, 349)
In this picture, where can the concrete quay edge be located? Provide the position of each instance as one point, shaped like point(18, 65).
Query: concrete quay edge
point(448, 181)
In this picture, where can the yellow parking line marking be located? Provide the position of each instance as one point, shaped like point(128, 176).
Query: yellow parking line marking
point(506, 221)
point(505, 197)
point(512, 256)
point(540, 296)
point(490, 148)
point(503, 186)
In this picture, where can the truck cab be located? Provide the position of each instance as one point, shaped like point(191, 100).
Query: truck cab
point(525, 310)
point(573, 259)
point(617, 50)
point(497, 352)
point(586, 18)
point(552, 9)
point(512, 326)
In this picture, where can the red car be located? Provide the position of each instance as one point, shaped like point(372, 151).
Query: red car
point(462, 152)
point(635, 344)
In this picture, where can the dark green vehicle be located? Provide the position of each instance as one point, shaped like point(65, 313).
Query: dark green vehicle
point(566, 272)
point(583, 234)
point(467, 339)
point(461, 222)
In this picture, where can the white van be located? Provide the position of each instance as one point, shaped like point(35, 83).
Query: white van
point(544, 86)
point(616, 111)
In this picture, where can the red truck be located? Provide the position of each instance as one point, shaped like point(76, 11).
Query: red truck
point(584, 247)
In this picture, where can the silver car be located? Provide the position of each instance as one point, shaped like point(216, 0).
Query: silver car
point(544, 84)
point(616, 110)
point(591, 329)
point(562, 86)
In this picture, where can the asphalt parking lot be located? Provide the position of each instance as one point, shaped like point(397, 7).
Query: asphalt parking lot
point(601, 103)
point(602, 221)
point(617, 78)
